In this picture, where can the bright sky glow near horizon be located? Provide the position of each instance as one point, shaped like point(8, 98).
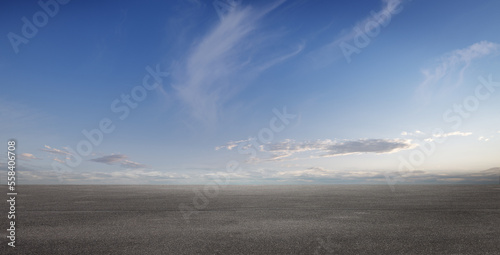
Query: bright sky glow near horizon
point(293, 92)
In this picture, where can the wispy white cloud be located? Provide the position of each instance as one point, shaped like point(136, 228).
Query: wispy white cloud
point(311, 172)
point(27, 156)
point(416, 133)
point(438, 136)
point(483, 139)
point(59, 160)
point(450, 70)
point(213, 70)
point(281, 58)
point(231, 145)
point(56, 151)
point(455, 133)
point(131, 164)
point(419, 133)
point(119, 159)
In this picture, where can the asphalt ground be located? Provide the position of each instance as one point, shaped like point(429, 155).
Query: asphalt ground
point(336, 219)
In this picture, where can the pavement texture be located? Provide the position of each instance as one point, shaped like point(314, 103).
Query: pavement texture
point(330, 219)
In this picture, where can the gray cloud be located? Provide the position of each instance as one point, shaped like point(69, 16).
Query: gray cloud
point(368, 145)
point(110, 159)
point(120, 159)
point(329, 148)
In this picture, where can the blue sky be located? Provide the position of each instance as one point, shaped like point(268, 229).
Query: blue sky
point(292, 92)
